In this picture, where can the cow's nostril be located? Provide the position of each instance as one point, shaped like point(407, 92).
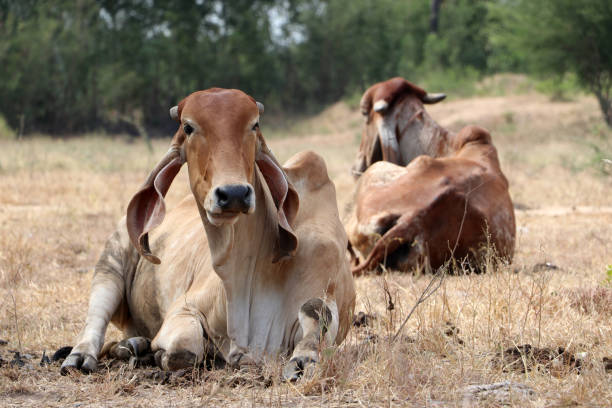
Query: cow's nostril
point(222, 198)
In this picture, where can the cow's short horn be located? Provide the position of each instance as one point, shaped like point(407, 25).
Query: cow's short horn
point(381, 105)
point(260, 106)
point(433, 97)
point(174, 113)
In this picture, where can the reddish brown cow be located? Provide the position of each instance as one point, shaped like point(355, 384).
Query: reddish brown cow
point(425, 194)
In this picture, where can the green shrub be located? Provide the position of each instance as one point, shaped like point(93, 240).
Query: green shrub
point(5, 130)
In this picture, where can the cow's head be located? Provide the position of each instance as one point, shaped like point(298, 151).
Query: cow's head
point(219, 138)
point(388, 108)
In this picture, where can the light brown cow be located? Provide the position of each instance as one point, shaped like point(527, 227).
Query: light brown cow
point(425, 194)
point(252, 263)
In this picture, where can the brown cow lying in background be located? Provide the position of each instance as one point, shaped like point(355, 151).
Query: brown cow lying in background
point(252, 263)
point(450, 200)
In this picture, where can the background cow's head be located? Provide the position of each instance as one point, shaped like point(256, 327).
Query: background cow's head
point(389, 108)
point(220, 140)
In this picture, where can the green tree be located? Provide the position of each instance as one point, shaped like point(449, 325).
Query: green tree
point(48, 54)
point(559, 36)
point(460, 40)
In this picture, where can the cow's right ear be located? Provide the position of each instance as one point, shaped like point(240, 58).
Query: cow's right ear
point(286, 200)
point(147, 208)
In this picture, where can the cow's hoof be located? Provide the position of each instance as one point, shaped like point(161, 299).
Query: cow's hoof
point(148, 360)
point(139, 345)
point(129, 348)
point(296, 367)
point(77, 361)
point(240, 359)
point(175, 361)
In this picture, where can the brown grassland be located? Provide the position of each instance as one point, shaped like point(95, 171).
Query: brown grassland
point(60, 200)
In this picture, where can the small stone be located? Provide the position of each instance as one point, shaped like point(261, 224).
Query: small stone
point(545, 266)
point(501, 392)
point(607, 364)
point(44, 360)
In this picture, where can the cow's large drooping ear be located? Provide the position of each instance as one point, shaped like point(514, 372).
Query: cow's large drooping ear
point(432, 98)
point(365, 105)
point(147, 208)
point(286, 200)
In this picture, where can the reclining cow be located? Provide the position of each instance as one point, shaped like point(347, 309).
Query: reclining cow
point(252, 263)
point(424, 194)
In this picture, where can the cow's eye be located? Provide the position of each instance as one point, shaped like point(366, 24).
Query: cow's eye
point(255, 126)
point(188, 128)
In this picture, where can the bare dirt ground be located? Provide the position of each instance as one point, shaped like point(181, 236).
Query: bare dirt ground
point(543, 324)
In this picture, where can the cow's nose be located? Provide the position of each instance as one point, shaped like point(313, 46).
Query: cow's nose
point(234, 197)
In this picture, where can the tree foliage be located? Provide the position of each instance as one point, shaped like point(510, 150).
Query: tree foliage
point(71, 66)
point(556, 37)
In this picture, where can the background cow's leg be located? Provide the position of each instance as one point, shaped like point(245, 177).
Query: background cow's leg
point(319, 323)
point(107, 292)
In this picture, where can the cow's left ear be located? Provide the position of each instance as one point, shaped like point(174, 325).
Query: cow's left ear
point(147, 208)
point(285, 198)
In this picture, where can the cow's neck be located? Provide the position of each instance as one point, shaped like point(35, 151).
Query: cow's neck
point(242, 257)
point(420, 134)
point(250, 235)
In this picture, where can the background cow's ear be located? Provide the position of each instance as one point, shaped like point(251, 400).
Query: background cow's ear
point(147, 208)
point(365, 105)
point(286, 200)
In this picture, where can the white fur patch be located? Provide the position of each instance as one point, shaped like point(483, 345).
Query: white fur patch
point(332, 329)
point(380, 105)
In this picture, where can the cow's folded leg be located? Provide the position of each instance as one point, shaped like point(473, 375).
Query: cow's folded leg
point(180, 342)
point(319, 323)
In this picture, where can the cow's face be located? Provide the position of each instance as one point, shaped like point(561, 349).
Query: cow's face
point(219, 138)
point(221, 132)
point(388, 108)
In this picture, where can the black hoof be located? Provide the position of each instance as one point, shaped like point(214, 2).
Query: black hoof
point(175, 361)
point(62, 353)
point(295, 368)
point(132, 347)
point(74, 362)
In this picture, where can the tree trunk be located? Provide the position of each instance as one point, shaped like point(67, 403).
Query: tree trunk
point(434, 16)
point(606, 107)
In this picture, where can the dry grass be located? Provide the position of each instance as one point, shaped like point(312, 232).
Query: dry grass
point(60, 200)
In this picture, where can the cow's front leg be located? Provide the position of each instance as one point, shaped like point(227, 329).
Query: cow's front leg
point(319, 323)
point(106, 294)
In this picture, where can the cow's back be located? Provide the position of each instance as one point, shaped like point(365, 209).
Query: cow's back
point(321, 258)
point(449, 202)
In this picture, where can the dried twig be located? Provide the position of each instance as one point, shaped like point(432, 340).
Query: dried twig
point(441, 272)
point(429, 290)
